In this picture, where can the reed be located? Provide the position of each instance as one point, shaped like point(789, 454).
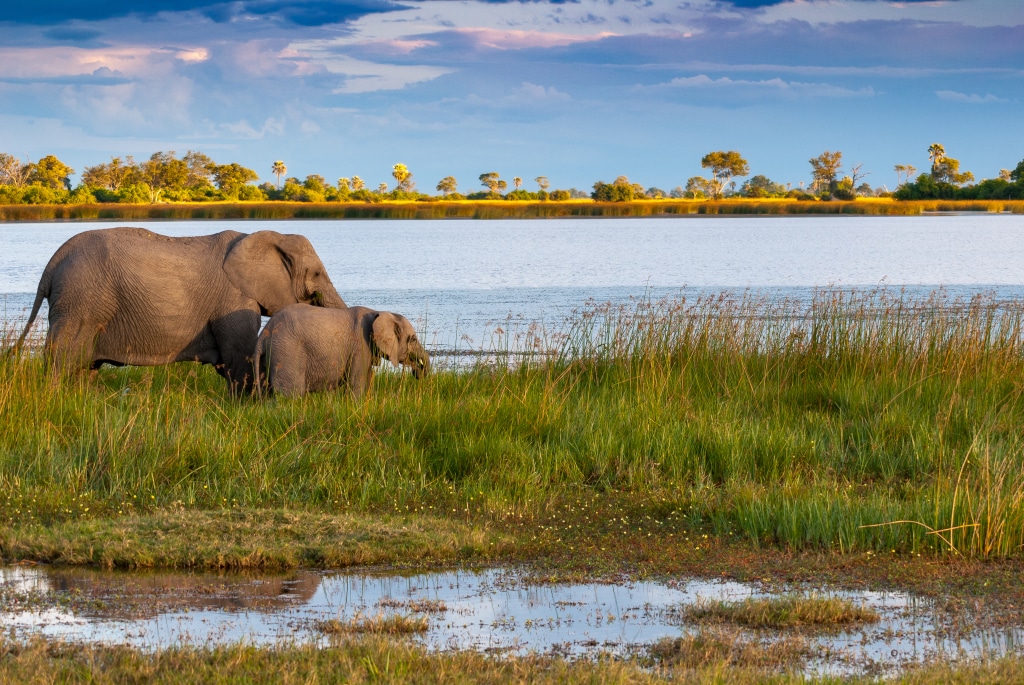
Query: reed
point(855, 422)
point(492, 209)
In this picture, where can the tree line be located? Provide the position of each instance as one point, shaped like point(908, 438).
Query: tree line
point(195, 177)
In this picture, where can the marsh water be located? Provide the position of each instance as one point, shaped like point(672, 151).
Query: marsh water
point(476, 285)
point(499, 611)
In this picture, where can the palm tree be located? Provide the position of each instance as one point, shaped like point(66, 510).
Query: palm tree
point(516, 181)
point(936, 153)
point(402, 175)
point(542, 182)
point(279, 170)
point(357, 183)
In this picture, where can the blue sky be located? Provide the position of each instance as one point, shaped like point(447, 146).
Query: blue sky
point(577, 91)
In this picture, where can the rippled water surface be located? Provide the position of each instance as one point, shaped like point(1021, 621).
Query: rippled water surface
point(461, 280)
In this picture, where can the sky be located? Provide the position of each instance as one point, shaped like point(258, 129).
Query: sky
point(574, 90)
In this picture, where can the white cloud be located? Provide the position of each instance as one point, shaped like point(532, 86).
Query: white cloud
point(531, 93)
point(365, 77)
point(969, 12)
point(243, 129)
point(973, 98)
point(129, 60)
point(793, 88)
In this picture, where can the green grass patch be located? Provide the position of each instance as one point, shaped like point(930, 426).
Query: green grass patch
point(252, 539)
point(864, 423)
point(781, 613)
point(732, 653)
point(708, 658)
point(392, 624)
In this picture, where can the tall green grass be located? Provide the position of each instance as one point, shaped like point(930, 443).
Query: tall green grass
point(864, 422)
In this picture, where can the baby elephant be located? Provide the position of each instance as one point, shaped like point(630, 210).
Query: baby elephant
point(306, 349)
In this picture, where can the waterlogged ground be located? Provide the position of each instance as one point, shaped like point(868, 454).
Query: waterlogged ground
point(496, 611)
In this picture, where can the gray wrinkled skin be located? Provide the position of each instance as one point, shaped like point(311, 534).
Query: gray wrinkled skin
point(131, 296)
point(306, 349)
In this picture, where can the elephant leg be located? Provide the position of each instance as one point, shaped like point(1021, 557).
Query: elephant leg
point(360, 376)
point(71, 346)
point(236, 335)
point(289, 380)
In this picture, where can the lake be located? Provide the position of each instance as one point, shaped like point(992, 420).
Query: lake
point(468, 285)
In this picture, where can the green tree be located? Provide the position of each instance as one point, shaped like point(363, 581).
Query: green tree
point(762, 186)
point(279, 169)
point(619, 190)
point(230, 178)
point(697, 187)
point(110, 176)
point(947, 170)
point(492, 181)
point(200, 170)
point(163, 171)
point(447, 185)
point(723, 165)
point(51, 173)
point(1017, 175)
point(315, 182)
point(825, 170)
point(315, 188)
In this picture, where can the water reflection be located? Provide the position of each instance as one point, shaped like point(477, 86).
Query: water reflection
point(495, 610)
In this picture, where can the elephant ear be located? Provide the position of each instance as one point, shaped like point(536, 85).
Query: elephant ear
point(386, 336)
point(264, 266)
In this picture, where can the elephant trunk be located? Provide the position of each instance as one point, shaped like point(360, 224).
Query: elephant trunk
point(420, 362)
point(328, 297)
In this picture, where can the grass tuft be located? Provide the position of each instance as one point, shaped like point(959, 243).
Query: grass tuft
point(381, 624)
point(781, 613)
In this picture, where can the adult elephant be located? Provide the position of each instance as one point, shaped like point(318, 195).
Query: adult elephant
point(131, 296)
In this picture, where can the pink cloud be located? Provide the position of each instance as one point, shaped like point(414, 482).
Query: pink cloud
point(518, 40)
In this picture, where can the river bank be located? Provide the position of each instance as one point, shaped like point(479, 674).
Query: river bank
point(483, 209)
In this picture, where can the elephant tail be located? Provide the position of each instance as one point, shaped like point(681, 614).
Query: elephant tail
point(257, 367)
point(42, 292)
